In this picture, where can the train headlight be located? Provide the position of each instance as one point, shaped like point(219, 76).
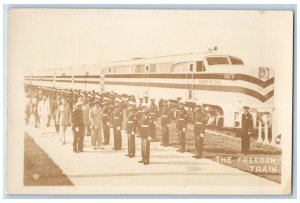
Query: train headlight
point(263, 73)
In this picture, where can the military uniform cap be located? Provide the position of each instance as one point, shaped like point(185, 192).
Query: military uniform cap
point(132, 103)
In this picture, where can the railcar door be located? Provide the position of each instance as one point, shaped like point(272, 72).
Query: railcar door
point(190, 69)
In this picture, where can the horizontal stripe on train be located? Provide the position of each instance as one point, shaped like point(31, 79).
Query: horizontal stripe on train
point(220, 88)
point(223, 76)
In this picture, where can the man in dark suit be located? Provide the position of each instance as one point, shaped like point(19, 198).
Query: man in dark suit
point(200, 120)
point(77, 127)
point(246, 131)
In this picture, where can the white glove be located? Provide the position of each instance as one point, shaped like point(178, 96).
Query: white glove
point(168, 125)
point(183, 129)
point(96, 127)
point(154, 122)
point(249, 133)
point(118, 128)
point(201, 135)
point(149, 138)
point(107, 123)
point(77, 129)
point(132, 133)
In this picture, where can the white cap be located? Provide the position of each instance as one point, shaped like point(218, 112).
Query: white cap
point(206, 108)
point(78, 103)
point(118, 100)
point(131, 103)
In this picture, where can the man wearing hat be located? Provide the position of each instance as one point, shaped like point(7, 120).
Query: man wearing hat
point(200, 120)
point(106, 120)
point(153, 119)
point(117, 120)
point(145, 143)
point(85, 111)
point(182, 119)
point(166, 116)
point(246, 130)
point(96, 119)
point(139, 114)
point(77, 127)
point(131, 128)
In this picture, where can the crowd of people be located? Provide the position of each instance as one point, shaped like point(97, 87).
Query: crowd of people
point(92, 114)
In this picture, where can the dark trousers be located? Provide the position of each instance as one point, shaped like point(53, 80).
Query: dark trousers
point(145, 150)
point(165, 134)
point(131, 144)
point(49, 120)
point(27, 115)
point(245, 142)
point(56, 125)
point(139, 127)
point(152, 130)
point(199, 143)
point(36, 119)
point(181, 140)
point(106, 133)
point(117, 139)
point(78, 141)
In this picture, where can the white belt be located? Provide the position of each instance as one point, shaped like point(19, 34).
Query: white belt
point(105, 115)
point(152, 113)
point(181, 119)
point(130, 122)
point(198, 122)
point(164, 116)
point(116, 117)
point(145, 126)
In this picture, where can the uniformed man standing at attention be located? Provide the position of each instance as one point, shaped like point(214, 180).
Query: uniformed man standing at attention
point(153, 119)
point(139, 115)
point(145, 135)
point(106, 120)
point(166, 115)
point(181, 127)
point(77, 127)
point(200, 120)
point(131, 128)
point(117, 120)
point(246, 131)
point(176, 116)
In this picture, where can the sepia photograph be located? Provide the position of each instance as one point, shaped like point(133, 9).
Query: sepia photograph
point(149, 101)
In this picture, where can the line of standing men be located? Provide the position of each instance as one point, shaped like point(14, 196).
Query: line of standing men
point(93, 114)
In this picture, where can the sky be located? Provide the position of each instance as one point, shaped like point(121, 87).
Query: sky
point(51, 38)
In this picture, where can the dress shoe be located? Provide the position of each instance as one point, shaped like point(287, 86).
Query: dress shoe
point(146, 163)
point(141, 161)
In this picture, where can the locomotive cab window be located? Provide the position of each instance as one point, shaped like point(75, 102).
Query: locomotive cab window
point(200, 66)
point(236, 61)
point(217, 60)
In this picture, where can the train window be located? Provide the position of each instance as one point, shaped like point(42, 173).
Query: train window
point(152, 68)
point(217, 60)
point(63, 74)
point(179, 67)
point(191, 67)
point(86, 73)
point(139, 69)
point(236, 61)
point(147, 68)
point(163, 67)
point(200, 66)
